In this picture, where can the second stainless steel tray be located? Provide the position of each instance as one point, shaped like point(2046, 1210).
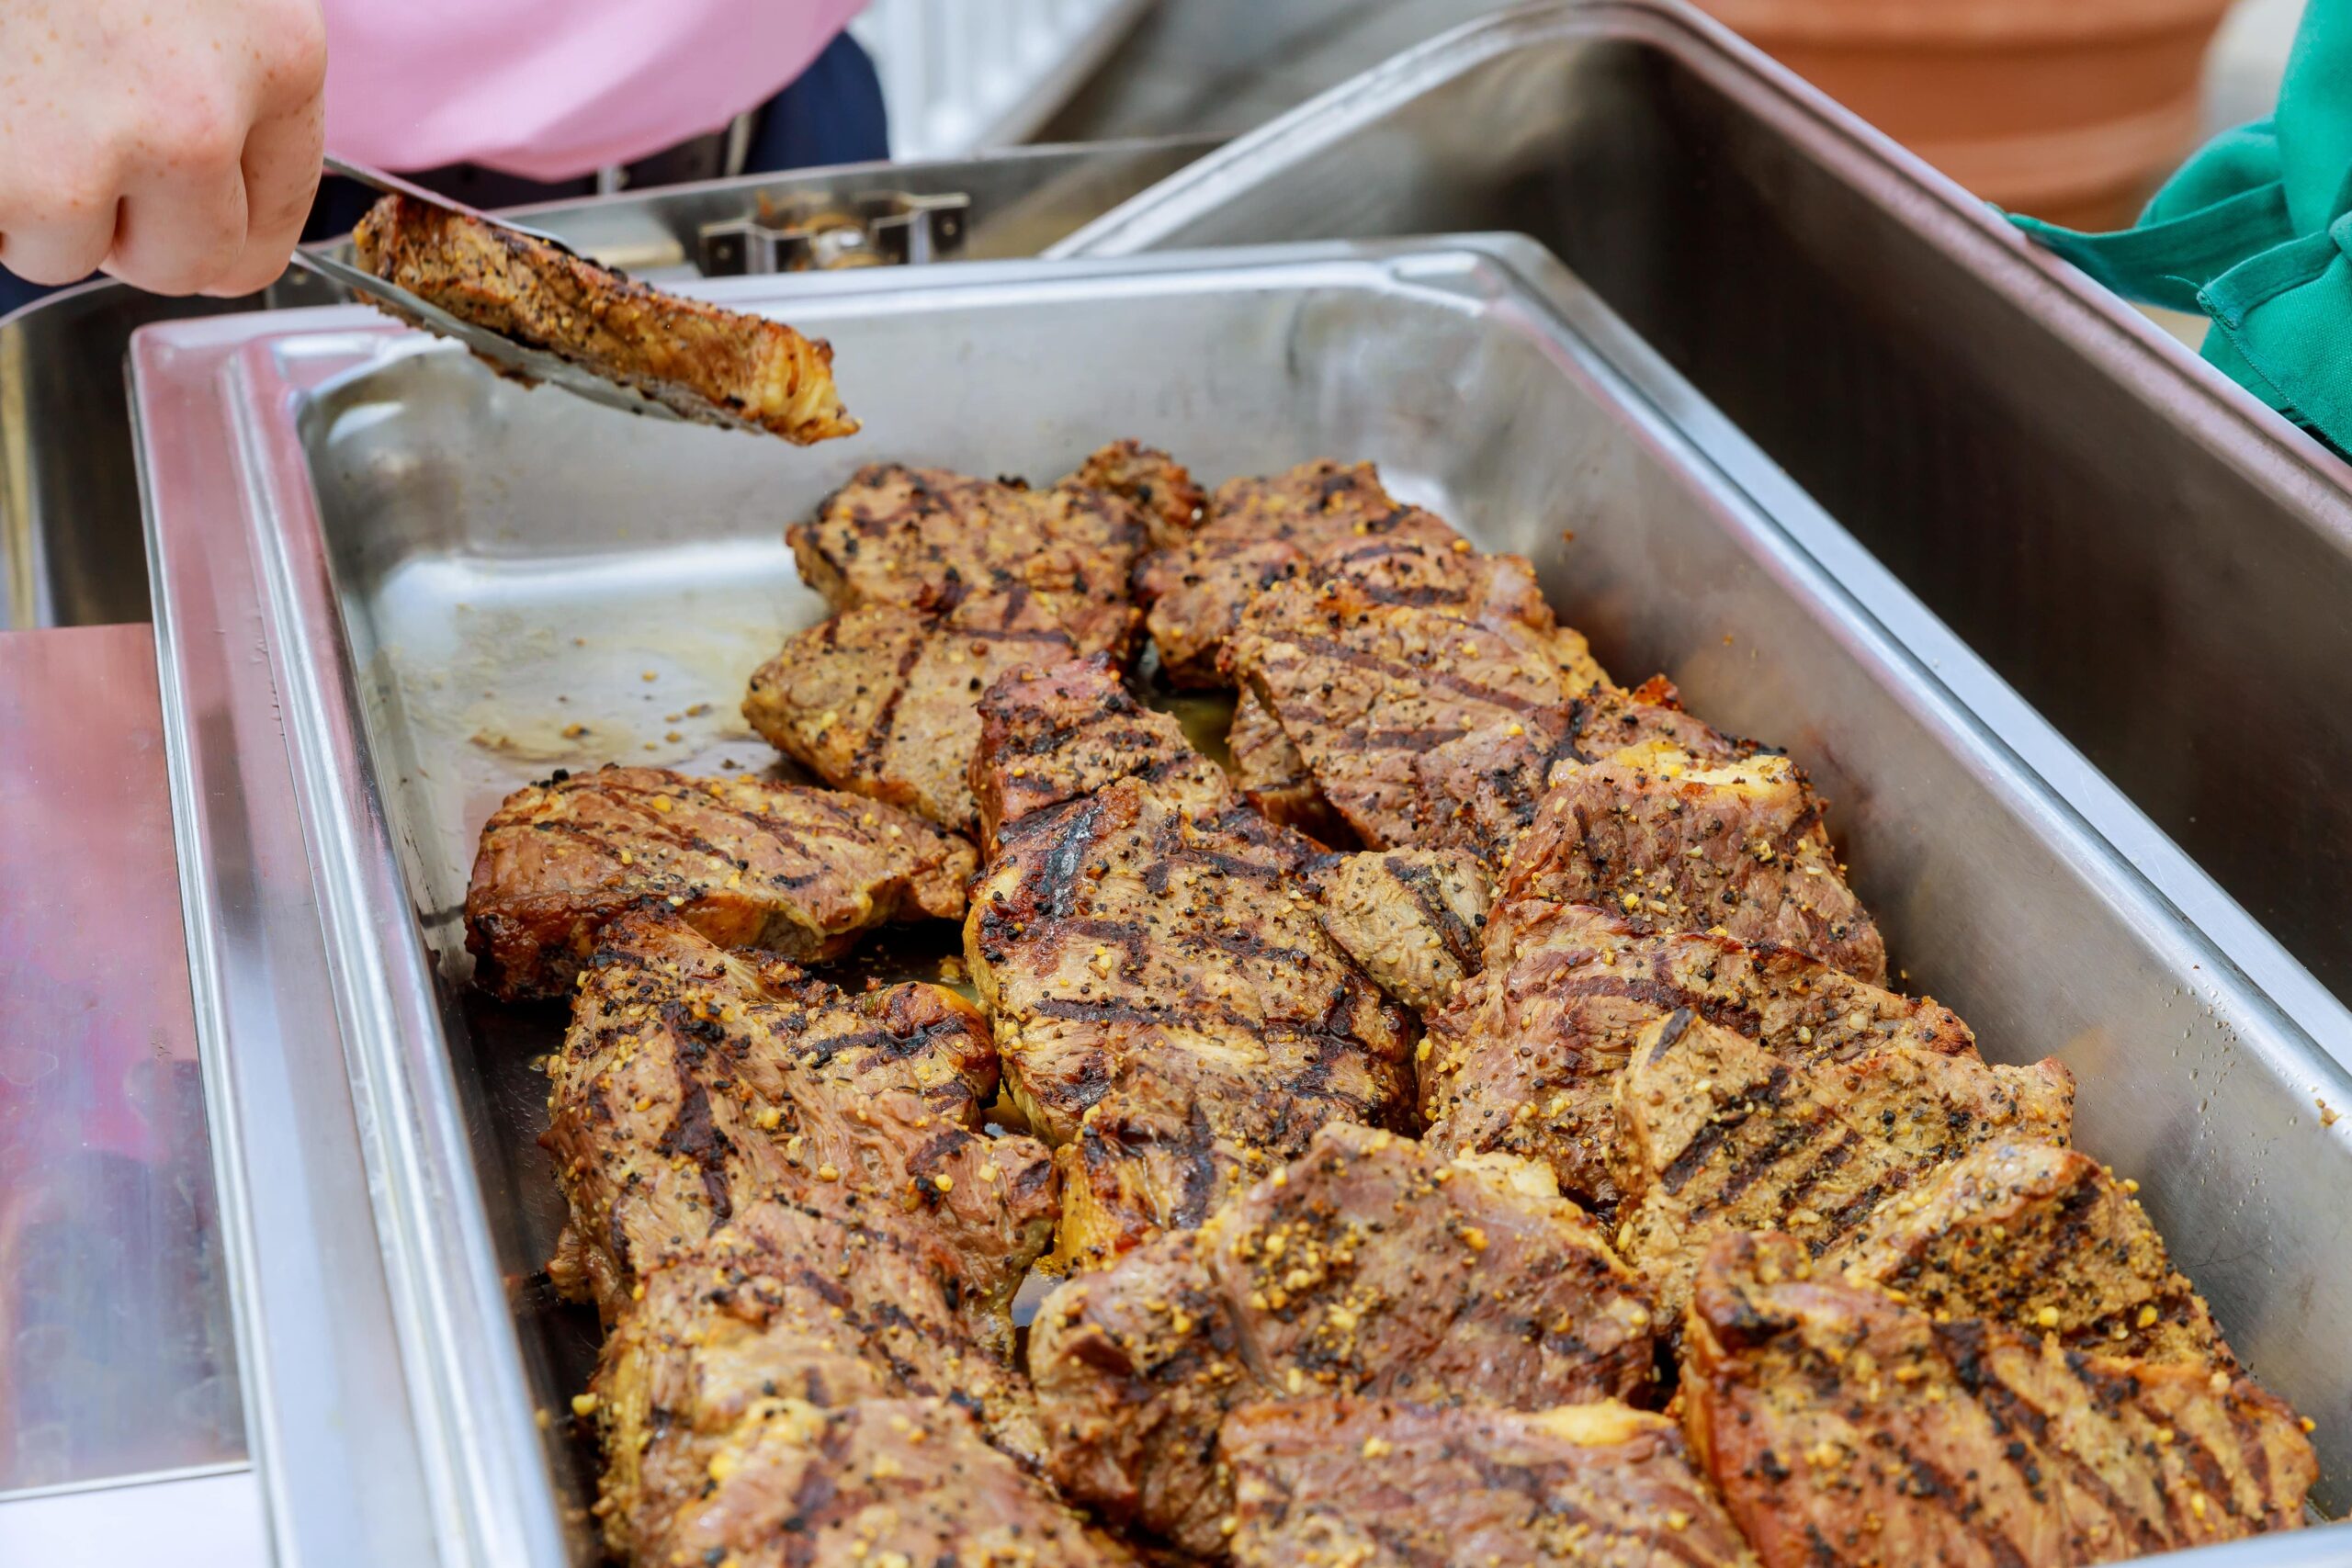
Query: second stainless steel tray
point(390, 588)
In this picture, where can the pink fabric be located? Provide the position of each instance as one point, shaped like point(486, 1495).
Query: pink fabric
point(551, 89)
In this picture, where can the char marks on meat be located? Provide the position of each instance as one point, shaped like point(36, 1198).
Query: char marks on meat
point(1845, 1426)
point(1273, 777)
point(1686, 844)
point(1049, 736)
point(2046, 1240)
point(1484, 787)
point(1363, 687)
point(1367, 1267)
point(882, 1482)
point(1159, 487)
point(1411, 919)
point(926, 539)
point(1257, 532)
point(1525, 1059)
point(745, 862)
point(543, 297)
point(884, 701)
point(1717, 1134)
point(694, 1081)
point(1379, 1483)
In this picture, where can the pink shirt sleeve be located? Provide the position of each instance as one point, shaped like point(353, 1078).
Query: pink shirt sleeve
point(551, 89)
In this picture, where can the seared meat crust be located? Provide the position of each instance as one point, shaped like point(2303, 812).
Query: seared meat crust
point(1367, 1267)
point(792, 1300)
point(543, 297)
point(1362, 687)
point(1685, 845)
point(1274, 778)
point(927, 539)
point(1526, 1057)
point(1258, 531)
point(1411, 919)
point(1844, 1427)
point(885, 701)
point(693, 1082)
point(1484, 788)
point(1049, 736)
point(1382, 1485)
point(745, 862)
point(1715, 1133)
point(2043, 1239)
point(1161, 489)
point(1158, 981)
point(883, 1482)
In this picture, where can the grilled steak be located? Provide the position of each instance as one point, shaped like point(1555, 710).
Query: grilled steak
point(1683, 844)
point(1167, 1003)
point(884, 701)
point(927, 539)
point(1363, 687)
point(1410, 918)
point(693, 1082)
point(1382, 1485)
point(1525, 1060)
point(1717, 1133)
point(746, 862)
point(1257, 532)
point(1484, 787)
point(1846, 1428)
point(2045, 1240)
point(1049, 736)
point(887, 1483)
point(1161, 489)
point(789, 1301)
point(1368, 1267)
point(543, 297)
point(1274, 778)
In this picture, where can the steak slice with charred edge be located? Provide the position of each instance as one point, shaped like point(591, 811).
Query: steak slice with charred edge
point(927, 539)
point(885, 701)
point(1484, 787)
point(1374, 1484)
point(745, 862)
point(1257, 532)
point(543, 297)
point(1525, 1059)
point(1367, 1267)
point(1167, 1001)
point(789, 1300)
point(1717, 1133)
point(1411, 919)
point(1844, 1427)
point(1681, 843)
point(1161, 489)
point(693, 1082)
point(1362, 687)
point(883, 1482)
point(1274, 778)
point(2043, 1239)
point(1051, 735)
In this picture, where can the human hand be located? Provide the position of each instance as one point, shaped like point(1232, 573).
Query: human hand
point(172, 144)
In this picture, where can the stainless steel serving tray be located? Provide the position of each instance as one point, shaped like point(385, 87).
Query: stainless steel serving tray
point(389, 587)
point(2157, 563)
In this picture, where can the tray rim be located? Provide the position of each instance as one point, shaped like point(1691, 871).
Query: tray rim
point(342, 814)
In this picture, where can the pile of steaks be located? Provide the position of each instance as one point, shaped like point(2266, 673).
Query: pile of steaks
point(1472, 1125)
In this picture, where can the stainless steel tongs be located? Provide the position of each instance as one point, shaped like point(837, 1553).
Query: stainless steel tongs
point(514, 358)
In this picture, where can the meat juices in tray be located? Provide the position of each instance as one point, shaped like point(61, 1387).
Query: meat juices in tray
point(1478, 1128)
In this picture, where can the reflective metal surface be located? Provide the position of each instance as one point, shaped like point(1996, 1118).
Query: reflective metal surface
point(462, 584)
point(2157, 563)
point(204, 1518)
point(70, 552)
point(117, 1355)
